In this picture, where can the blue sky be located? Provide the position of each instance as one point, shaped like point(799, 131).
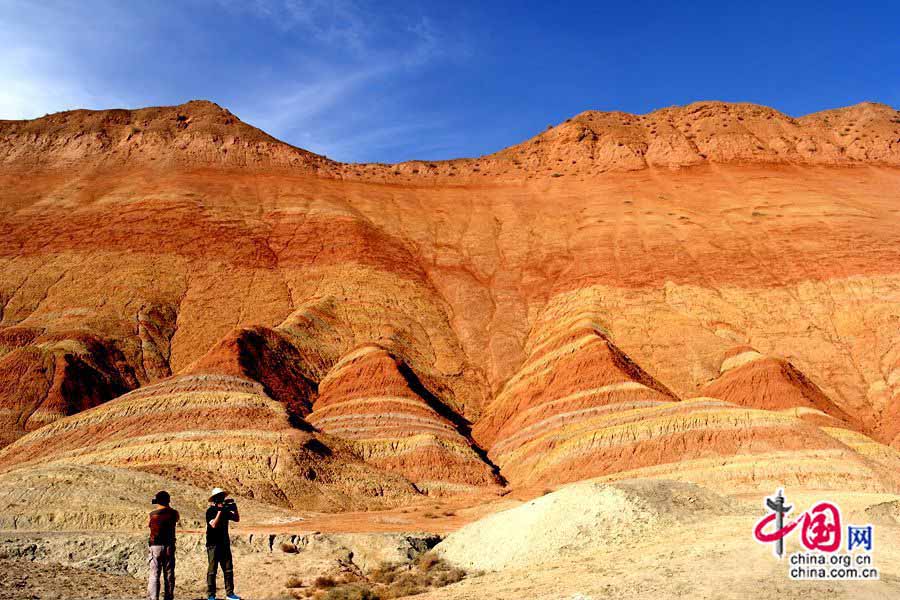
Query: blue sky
point(389, 81)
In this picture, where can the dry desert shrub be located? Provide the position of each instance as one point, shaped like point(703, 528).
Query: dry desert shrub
point(293, 582)
point(353, 591)
point(389, 580)
point(385, 573)
point(428, 571)
point(427, 561)
point(401, 589)
point(324, 582)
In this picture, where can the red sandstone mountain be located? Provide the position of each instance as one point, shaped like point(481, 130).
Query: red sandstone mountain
point(321, 334)
point(713, 132)
point(49, 376)
point(201, 132)
point(751, 379)
point(194, 133)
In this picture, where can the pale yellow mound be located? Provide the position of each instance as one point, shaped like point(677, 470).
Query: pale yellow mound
point(576, 520)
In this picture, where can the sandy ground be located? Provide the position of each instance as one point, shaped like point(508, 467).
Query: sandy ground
point(655, 541)
point(716, 560)
point(37, 581)
point(714, 556)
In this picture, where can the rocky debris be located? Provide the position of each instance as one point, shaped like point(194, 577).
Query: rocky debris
point(48, 581)
point(885, 512)
point(56, 497)
point(665, 562)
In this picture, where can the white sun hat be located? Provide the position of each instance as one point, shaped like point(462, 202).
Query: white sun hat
point(216, 492)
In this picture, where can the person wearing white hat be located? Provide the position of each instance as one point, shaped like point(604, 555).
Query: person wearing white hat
point(218, 545)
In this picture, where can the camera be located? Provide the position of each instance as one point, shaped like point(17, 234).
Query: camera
point(229, 504)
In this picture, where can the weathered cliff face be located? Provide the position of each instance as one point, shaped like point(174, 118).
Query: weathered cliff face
point(712, 132)
point(46, 377)
point(202, 133)
point(198, 132)
point(571, 320)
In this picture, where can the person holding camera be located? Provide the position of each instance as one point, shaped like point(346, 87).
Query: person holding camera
point(162, 547)
point(218, 545)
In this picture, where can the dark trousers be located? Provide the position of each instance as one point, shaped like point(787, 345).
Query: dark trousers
point(219, 555)
point(162, 562)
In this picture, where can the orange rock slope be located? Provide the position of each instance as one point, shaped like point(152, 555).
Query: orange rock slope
point(706, 292)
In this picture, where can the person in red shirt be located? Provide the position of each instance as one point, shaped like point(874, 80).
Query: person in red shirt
point(162, 547)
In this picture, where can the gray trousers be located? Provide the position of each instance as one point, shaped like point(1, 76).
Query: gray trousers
point(219, 555)
point(162, 561)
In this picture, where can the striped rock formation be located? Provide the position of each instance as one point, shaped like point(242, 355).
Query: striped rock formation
point(141, 247)
point(268, 357)
point(580, 408)
point(375, 401)
point(210, 430)
point(710, 442)
point(541, 425)
point(750, 379)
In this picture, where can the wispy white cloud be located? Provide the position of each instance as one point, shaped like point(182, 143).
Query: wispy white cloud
point(330, 108)
point(283, 107)
point(336, 76)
